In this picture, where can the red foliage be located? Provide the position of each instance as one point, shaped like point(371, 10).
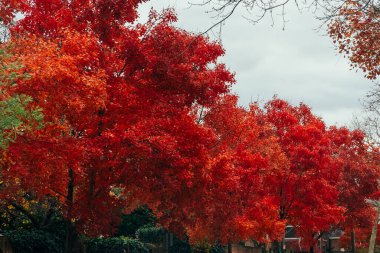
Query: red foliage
point(141, 114)
point(360, 175)
point(355, 31)
point(118, 106)
point(8, 9)
point(238, 207)
point(362, 237)
point(305, 188)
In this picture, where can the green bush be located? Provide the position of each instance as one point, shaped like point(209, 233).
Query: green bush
point(31, 241)
point(150, 234)
point(180, 246)
point(206, 247)
point(217, 249)
point(115, 245)
point(140, 217)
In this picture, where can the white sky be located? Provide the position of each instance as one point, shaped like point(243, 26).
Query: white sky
point(298, 64)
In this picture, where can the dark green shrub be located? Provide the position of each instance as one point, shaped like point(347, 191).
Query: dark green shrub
point(140, 217)
point(115, 245)
point(33, 240)
point(206, 247)
point(180, 246)
point(217, 249)
point(150, 234)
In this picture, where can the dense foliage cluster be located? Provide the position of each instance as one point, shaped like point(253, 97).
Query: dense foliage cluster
point(115, 245)
point(355, 32)
point(142, 114)
point(32, 240)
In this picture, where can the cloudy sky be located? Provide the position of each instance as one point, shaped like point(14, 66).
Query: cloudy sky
point(298, 63)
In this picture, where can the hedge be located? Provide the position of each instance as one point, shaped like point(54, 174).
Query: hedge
point(33, 240)
point(115, 245)
point(150, 234)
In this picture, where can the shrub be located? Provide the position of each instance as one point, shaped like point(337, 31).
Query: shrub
point(150, 234)
point(140, 217)
point(115, 245)
point(33, 240)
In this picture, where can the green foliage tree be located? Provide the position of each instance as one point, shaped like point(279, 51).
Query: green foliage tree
point(17, 116)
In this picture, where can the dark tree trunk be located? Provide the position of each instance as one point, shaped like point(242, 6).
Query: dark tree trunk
point(264, 248)
point(353, 249)
point(329, 250)
point(311, 249)
point(70, 238)
point(229, 248)
point(70, 230)
point(166, 242)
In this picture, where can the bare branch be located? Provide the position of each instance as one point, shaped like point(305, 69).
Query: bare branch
point(324, 10)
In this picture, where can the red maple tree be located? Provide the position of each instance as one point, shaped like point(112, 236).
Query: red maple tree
point(305, 188)
point(355, 31)
point(142, 114)
point(118, 101)
point(238, 207)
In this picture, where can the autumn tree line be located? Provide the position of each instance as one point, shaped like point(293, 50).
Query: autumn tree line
point(101, 115)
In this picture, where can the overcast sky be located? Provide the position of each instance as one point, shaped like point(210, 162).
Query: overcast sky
point(298, 64)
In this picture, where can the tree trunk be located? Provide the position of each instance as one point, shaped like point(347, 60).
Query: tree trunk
point(372, 241)
point(329, 250)
point(70, 230)
point(264, 248)
point(70, 238)
point(166, 242)
point(229, 248)
point(311, 249)
point(353, 249)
